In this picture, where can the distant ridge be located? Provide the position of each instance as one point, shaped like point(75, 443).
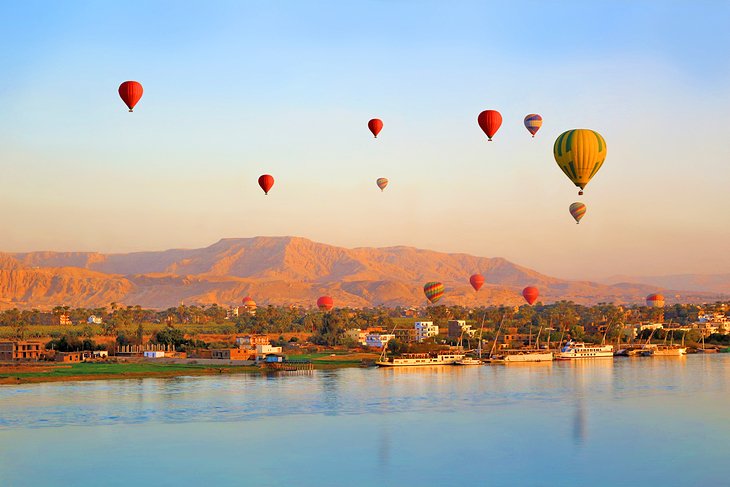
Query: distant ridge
point(709, 283)
point(287, 270)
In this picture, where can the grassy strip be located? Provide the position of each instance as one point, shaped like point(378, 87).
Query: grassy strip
point(107, 369)
point(127, 370)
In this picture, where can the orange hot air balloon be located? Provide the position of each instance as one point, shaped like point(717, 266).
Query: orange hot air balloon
point(249, 304)
point(530, 293)
point(655, 301)
point(375, 125)
point(325, 303)
point(130, 92)
point(490, 121)
point(477, 281)
point(382, 183)
point(266, 181)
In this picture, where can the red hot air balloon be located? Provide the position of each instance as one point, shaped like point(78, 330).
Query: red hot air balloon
point(325, 303)
point(375, 125)
point(249, 304)
point(131, 92)
point(490, 121)
point(655, 301)
point(530, 293)
point(477, 281)
point(266, 181)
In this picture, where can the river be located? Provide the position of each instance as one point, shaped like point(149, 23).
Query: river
point(624, 421)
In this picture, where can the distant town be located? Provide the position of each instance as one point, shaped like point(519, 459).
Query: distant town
point(249, 335)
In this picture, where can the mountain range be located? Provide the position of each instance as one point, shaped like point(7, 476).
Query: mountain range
point(294, 270)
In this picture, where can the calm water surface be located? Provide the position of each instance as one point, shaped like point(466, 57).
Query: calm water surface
point(634, 421)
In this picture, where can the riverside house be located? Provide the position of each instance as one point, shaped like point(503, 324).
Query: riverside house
point(21, 350)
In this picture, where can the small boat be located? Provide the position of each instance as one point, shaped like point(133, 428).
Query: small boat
point(469, 361)
point(528, 356)
point(579, 350)
point(670, 351)
point(630, 351)
point(420, 359)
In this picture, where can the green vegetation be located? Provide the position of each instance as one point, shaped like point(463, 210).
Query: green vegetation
point(122, 369)
point(183, 325)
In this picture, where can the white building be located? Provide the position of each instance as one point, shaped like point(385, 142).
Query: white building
point(378, 340)
point(267, 349)
point(650, 326)
point(425, 329)
point(94, 320)
point(714, 322)
point(154, 354)
point(357, 335)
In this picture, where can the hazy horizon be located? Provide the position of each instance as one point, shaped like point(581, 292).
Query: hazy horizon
point(233, 91)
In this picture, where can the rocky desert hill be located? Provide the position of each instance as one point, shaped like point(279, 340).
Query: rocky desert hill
point(285, 270)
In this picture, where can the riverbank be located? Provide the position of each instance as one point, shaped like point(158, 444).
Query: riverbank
point(34, 372)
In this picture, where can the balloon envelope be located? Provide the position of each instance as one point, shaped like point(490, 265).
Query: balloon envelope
point(580, 153)
point(490, 121)
point(325, 303)
point(533, 122)
point(577, 209)
point(433, 291)
point(266, 181)
point(249, 303)
point(476, 281)
point(530, 293)
point(382, 183)
point(655, 301)
point(375, 125)
point(130, 92)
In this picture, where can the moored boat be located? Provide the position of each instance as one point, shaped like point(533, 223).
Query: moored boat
point(469, 361)
point(669, 351)
point(420, 359)
point(528, 356)
point(579, 350)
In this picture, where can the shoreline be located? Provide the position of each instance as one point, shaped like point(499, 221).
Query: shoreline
point(19, 374)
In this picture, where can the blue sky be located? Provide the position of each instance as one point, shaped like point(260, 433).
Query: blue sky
point(237, 89)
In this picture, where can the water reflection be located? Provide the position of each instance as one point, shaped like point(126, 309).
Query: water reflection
point(579, 422)
point(575, 385)
point(384, 446)
point(425, 426)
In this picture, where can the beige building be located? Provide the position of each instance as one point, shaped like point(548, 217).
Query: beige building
point(232, 354)
point(21, 350)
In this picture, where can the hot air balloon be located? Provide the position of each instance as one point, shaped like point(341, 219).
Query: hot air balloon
point(433, 291)
point(490, 121)
point(375, 125)
point(382, 183)
point(580, 154)
point(249, 304)
point(533, 122)
point(325, 303)
point(655, 301)
point(477, 281)
point(577, 209)
point(530, 293)
point(266, 181)
point(131, 92)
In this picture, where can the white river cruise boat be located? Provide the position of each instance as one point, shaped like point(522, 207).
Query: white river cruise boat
point(415, 359)
point(575, 350)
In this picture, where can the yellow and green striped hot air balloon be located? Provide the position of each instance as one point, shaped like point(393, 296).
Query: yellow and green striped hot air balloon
point(580, 154)
point(433, 290)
